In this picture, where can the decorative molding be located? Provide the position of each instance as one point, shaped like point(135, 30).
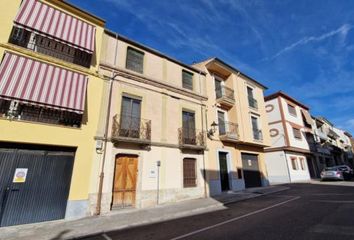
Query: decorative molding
point(269, 108)
point(154, 82)
point(274, 132)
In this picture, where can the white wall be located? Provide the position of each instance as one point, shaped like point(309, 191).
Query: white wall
point(298, 175)
point(273, 115)
point(277, 167)
point(277, 140)
point(294, 142)
point(294, 119)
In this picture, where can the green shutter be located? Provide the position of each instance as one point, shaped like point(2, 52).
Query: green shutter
point(187, 80)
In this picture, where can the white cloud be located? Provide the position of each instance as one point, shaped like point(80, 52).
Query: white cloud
point(342, 31)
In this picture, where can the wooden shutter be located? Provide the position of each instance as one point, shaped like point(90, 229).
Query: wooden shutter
point(189, 173)
point(135, 60)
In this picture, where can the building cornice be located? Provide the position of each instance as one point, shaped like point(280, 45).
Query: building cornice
point(289, 149)
point(154, 82)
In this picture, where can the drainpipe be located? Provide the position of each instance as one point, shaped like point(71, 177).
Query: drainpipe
point(206, 127)
point(100, 186)
point(101, 178)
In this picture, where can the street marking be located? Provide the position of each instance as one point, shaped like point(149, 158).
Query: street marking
point(234, 219)
point(332, 194)
point(333, 229)
point(333, 201)
point(105, 236)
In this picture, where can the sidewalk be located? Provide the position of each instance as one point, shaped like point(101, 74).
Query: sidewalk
point(117, 220)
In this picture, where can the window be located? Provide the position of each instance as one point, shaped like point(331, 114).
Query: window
point(188, 128)
point(257, 133)
point(50, 47)
point(221, 123)
point(218, 88)
point(187, 80)
point(302, 163)
point(252, 102)
point(297, 133)
point(130, 118)
point(135, 60)
point(20, 111)
point(189, 173)
point(292, 110)
point(294, 163)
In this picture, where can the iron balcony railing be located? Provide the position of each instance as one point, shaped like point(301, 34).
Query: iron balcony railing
point(225, 92)
point(257, 134)
point(131, 128)
point(191, 137)
point(228, 130)
point(50, 47)
point(252, 102)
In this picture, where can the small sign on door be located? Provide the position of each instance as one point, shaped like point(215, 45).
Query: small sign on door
point(249, 163)
point(20, 175)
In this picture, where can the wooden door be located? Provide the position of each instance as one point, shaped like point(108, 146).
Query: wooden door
point(125, 177)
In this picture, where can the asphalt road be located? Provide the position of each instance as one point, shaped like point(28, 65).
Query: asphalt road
point(303, 212)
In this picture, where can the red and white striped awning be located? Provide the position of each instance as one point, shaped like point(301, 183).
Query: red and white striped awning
point(38, 83)
point(46, 20)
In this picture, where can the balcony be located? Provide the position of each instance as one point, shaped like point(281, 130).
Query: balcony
point(322, 135)
point(257, 135)
point(252, 103)
point(228, 132)
point(190, 138)
point(131, 129)
point(225, 96)
point(41, 44)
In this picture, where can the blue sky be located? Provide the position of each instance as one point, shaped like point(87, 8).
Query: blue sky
point(302, 47)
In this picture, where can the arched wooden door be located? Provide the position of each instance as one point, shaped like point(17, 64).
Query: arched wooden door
point(125, 178)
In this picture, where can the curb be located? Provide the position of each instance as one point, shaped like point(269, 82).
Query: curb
point(181, 214)
point(172, 216)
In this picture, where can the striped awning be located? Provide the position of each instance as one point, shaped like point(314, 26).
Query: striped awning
point(43, 19)
point(33, 82)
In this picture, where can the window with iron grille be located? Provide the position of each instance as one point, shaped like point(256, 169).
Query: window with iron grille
point(189, 173)
point(34, 113)
point(187, 80)
point(292, 110)
point(50, 47)
point(135, 60)
point(297, 133)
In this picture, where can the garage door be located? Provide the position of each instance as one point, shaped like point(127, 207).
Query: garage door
point(251, 173)
point(34, 185)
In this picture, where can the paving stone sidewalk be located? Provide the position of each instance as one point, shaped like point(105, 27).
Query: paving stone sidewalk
point(115, 220)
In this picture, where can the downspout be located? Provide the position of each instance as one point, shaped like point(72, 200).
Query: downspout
point(101, 178)
point(206, 127)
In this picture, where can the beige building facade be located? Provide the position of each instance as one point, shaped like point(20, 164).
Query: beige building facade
point(237, 129)
point(155, 138)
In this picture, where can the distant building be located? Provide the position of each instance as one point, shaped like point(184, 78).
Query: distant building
point(289, 127)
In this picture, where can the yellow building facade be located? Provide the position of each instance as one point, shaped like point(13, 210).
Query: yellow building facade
point(237, 128)
point(156, 141)
point(50, 130)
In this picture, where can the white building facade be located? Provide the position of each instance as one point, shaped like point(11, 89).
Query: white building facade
point(290, 125)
